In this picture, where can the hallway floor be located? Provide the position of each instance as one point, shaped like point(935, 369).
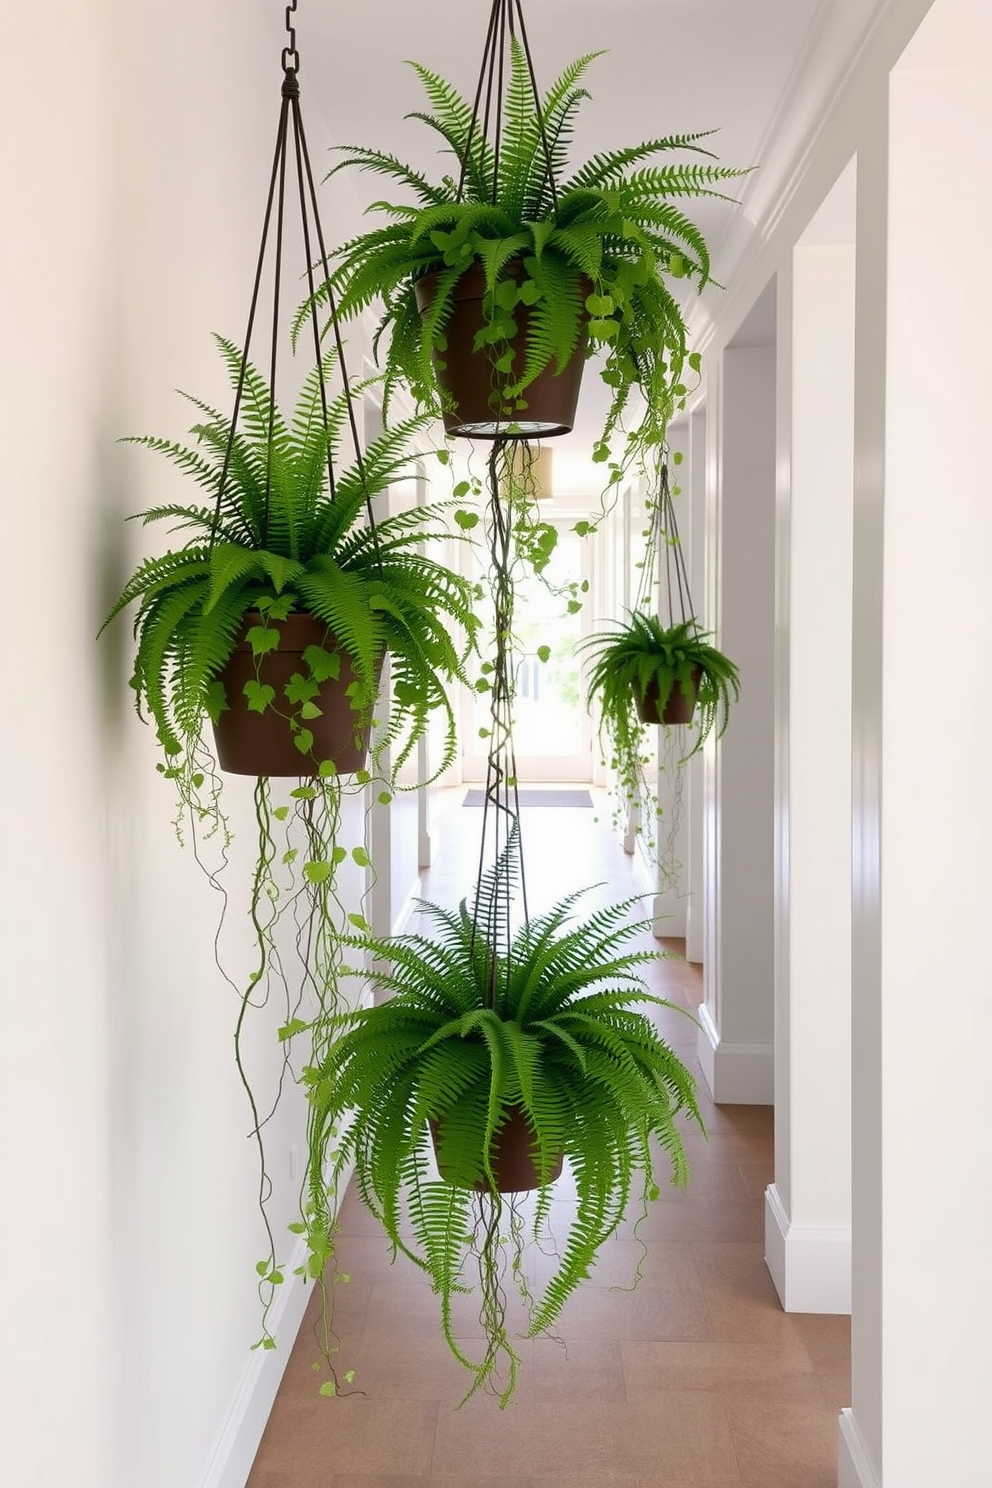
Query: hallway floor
point(696, 1378)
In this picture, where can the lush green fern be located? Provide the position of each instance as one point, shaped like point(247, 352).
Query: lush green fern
point(642, 661)
point(549, 1026)
point(616, 223)
point(283, 540)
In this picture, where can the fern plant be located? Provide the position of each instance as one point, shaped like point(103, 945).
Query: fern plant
point(285, 541)
point(636, 668)
point(278, 536)
point(481, 1029)
point(600, 256)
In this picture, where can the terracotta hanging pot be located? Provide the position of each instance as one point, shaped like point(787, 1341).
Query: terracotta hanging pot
point(250, 743)
point(679, 705)
point(512, 1157)
point(467, 375)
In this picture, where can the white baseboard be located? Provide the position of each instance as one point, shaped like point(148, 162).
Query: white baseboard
point(737, 1074)
point(669, 910)
point(854, 1469)
point(408, 908)
point(235, 1451)
point(809, 1264)
point(241, 1433)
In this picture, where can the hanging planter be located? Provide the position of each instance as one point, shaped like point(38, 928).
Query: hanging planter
point(253, 742)
point(646, 670)
point(477, 400)
point(678, 707)
point(512, 1163)
point(271, 621)
point(561, 261)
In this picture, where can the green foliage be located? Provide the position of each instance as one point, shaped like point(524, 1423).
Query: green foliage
point(642, 657)
point(603, 255)
point(286, 541)
point(281, 536)
point(642, 654)
point(547, 1024)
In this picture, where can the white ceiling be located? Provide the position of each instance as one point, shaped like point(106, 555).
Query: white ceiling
point(760, 72)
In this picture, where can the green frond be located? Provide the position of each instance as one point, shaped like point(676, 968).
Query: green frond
point(566, 1049)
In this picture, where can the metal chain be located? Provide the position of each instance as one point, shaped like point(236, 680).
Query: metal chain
point(290, 56)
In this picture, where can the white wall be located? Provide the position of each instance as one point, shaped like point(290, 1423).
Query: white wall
point(922, 1306)
point(923, 1296)
point(58, 391)
point(808, 1208)
point(735, 1040)
point(141, 143)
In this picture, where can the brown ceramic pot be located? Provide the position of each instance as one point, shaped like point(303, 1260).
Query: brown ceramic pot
point(262, 743)
point(512, 1157)
point(679, 706)
point(466, 375)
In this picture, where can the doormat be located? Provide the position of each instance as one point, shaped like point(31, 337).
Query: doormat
point(538, 798)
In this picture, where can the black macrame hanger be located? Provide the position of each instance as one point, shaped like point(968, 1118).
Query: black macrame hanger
point(291, 124)
point(506, 20)
point(671, 573)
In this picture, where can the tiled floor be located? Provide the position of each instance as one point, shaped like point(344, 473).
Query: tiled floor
point(696, 1378)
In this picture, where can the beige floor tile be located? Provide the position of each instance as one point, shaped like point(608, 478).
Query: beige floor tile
point(784, 1446)
point(398, 1309)
point(655, 1479)
point(720, 1181)
point(773, 1372)
point(740, 1296)
point(657, 1312)
point(694, 1217)
point(621, 1262)
point(591, 1438)
point(756, 1176)
point(348, 1435)
point(828, 1340)
point(434, 1480)
point(581, 1369)
point(835, 1389)
point(415, 1366)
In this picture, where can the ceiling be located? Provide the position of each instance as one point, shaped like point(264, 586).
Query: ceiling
point(759, 72)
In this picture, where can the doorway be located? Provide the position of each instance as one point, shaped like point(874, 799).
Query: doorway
point(552, 728)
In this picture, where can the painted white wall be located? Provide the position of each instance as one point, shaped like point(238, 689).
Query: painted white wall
point(735, 1040)
point(923, 1297)
point(59, 380)
point(144, 141)
point(808, 1207)
point(694, 481)
point(920, 1290)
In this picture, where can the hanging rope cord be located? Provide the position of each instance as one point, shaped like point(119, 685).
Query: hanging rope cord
point(501, 799)
point(664, 541)
point(290, 109)
point(505, 19)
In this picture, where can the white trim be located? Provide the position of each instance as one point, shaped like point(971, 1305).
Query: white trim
point(854, 1469)
point(737, 1074)
point(670, 910)
point(809, 1264)
point(234, 1454)
point(408, 908)
point(260, 1380)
